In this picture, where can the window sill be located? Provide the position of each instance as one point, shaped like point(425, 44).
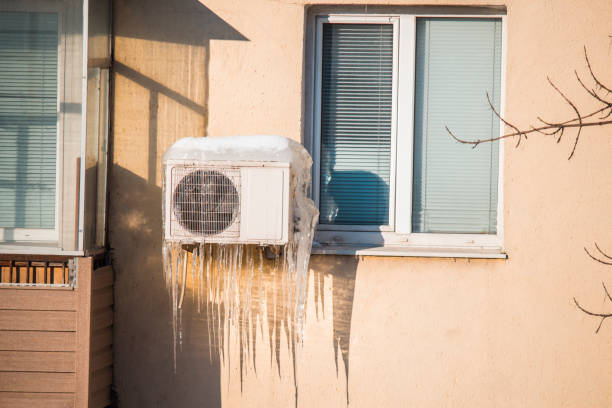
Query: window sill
point(35, 286)
point(399, 250)
point(35, 248)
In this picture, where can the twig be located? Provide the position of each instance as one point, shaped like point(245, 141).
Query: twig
point(602, 252)
point(603, 316)
point(591, 91)
point(595, 258)
point(505, 121)
point(606, 290)
point(551, 128)
point(578, 117)
point(601, 86)
point(495, 139)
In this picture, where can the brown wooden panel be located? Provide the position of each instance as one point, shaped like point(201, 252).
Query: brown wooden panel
point(36, 382)
point(84, 332)
point(37, 341)
point(101, 379)
point(101, 358)
point(39, 273)
point(62, 362)
point(37, 400)
point(101, 338)
point(100, 399)
point(58, 274)
point(5, 274)
point(37, 320)
point(102, 298)
point(101, 319)
point(22, 275)
point(47, 299)
point(102, 277)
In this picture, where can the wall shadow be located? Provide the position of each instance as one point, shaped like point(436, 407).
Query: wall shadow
point(185, 22)
point(143, 360)
point(346, 196)
point(343, 272)
point(143, 329)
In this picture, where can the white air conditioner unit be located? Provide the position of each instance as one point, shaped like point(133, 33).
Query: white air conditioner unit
point(237, 202)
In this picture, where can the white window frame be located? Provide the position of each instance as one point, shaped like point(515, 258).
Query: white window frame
point(394, 21)
point(44, 235)
point(397, 238)
point(67, 236)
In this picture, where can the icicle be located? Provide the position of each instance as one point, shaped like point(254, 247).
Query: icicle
point(200, 276)
point(175, 273)
point(166, 247)
point(183, 279)
point(194, 257)
point(240, 289)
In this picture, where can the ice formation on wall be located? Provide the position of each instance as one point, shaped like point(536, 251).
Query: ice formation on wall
point(238, 286)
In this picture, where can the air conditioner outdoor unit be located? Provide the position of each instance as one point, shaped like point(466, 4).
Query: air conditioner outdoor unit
point(233, 202)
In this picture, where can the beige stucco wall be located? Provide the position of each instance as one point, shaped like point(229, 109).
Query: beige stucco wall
point(415, 332)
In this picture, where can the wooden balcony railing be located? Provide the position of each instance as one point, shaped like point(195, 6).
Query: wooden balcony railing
point(56, 321)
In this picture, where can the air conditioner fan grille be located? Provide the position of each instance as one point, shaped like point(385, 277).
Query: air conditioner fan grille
point(206, 202)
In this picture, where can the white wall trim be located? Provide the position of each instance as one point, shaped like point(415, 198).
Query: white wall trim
point(81, 207)
point(400, 251)
point(405, 125)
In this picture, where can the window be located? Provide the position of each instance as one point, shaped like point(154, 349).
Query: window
point(53, 125)
point(28, 122)
point(386, 171)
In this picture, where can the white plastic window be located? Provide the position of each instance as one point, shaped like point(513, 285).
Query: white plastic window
point(386, 171)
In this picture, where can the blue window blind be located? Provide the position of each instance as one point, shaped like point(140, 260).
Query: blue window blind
point(458, 60)
point(28, 119)
point(356, 116)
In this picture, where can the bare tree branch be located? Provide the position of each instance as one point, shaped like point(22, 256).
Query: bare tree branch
point(592, 92)
point(606, 290)
point(601, 86)
point(516, 130)
point(603, 316)
point(578, 117)
point(602, 252)
point(557, 129)
point(595, 258)
point(532, 130)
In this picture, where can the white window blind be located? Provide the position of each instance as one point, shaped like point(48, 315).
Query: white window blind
point(454, 186)
point(28, 119)
point(356, 121)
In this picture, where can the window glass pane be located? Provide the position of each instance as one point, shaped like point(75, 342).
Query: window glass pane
point(28, 119)
point(356, 102)
point(458, 60)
